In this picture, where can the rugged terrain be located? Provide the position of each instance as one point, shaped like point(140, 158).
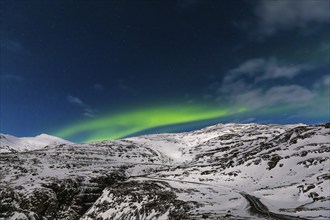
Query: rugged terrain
point(226, 171)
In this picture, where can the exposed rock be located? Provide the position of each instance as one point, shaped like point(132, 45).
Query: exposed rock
point(193, 175)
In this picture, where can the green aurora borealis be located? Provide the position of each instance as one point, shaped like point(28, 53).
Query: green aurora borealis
point(122, 124)
point(117, 125)
point(101, 70)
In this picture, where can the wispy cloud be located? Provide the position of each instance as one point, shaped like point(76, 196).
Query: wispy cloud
point(326, 80)
point(75, 100)
point(261, 69)
point(87, 110)
point(276, 95)
point(274, 16)
point(258, 83)
point(323, 83)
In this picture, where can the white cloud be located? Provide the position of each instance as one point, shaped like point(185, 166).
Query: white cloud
point(87, 110)
point(250, 67)
point(273, 70)
point(323, 82)
point(276, 95)
point(260, 69)
point(287, 94)
point(245, 85)
point(276, 15)
point(233, 87)
point(75, 100)
point(249, 98)
point(326, 80)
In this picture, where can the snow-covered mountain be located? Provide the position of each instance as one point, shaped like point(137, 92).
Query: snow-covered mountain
point(226, 171)
point(9, 143)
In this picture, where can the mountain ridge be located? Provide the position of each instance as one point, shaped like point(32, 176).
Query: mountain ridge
point(190, 175)
point(10, 143)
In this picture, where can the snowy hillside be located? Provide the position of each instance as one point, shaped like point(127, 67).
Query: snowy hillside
point(9, 143)
point(226, 171)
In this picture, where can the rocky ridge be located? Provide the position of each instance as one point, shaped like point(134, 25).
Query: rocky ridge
point(192, 175)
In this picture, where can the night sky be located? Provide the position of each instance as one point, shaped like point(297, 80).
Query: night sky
point(95, 70)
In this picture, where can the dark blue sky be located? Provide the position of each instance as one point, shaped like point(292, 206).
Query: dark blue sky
point(69, 66)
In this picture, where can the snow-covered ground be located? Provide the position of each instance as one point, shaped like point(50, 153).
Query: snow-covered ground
point(192, 175)
point(9, 143)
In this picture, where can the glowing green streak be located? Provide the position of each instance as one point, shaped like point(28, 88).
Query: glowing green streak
point(122, 124)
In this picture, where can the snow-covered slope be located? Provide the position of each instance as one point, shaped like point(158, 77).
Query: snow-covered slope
point(9, 143)
point(211, 173)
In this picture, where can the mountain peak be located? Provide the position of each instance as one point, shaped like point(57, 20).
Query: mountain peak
point(10, 143)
